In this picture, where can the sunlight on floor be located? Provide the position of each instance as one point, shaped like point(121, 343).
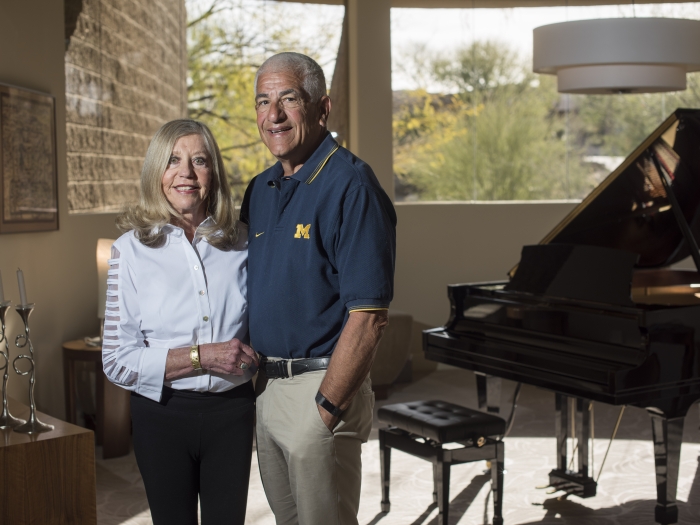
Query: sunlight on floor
point(626, 490)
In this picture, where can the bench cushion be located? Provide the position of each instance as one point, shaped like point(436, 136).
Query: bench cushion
point(441, 421)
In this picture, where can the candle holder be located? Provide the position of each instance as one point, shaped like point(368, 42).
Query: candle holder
point(7, 420)
point(33, 425)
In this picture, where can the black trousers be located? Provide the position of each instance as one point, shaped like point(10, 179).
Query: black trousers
point(193, 444)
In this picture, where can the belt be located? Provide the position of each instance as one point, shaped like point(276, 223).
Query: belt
point(284, 368)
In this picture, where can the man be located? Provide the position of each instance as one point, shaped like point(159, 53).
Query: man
point(322, 237)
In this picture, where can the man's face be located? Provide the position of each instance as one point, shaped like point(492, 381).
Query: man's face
point(289, 125)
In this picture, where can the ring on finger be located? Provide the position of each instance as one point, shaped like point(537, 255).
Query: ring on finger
point(243, 365)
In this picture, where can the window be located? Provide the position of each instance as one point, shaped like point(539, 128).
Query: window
point(225, 51)
point(472, 122)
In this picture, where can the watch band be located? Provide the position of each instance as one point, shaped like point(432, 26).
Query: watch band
point(194, 357)
point(327, 405)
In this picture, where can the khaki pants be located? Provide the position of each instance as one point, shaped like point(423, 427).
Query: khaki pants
point(311, 475)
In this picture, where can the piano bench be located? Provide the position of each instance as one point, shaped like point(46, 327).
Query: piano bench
point(420, 428)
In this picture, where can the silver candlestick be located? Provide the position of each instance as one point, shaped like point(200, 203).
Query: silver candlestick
point(7, 420)
point(33, 425)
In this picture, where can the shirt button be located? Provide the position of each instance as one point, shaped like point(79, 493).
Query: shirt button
point(196, 267)
point(206, 318)
point(202, 292)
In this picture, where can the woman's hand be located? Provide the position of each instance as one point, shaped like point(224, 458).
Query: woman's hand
point(222, 358)
point(226, 358)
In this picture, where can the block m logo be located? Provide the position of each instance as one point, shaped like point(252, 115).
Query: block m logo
point(302, 231)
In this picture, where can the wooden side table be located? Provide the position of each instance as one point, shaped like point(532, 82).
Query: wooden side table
point(48, 477)
point(113, 425)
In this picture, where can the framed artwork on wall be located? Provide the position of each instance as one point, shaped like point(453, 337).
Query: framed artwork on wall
point(28, 163)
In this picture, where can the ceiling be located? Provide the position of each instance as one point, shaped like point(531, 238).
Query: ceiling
point(435, 4)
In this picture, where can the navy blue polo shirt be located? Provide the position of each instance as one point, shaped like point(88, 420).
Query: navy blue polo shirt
point(322, 243)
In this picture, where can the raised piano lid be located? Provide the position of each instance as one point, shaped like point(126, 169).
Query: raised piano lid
point(629, 210)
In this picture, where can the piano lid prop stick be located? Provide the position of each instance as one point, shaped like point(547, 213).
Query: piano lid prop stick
point(617, 425)
point(573, 455)
point(682, 223)
point(572, 412)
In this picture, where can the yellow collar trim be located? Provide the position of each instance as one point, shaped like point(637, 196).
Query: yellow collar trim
point(321, 165)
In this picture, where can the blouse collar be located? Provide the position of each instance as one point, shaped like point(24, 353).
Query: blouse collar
point(177, 232)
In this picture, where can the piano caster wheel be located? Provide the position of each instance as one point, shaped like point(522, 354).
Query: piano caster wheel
point(386, 506)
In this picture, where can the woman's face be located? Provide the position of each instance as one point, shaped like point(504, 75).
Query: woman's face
point(188, 177)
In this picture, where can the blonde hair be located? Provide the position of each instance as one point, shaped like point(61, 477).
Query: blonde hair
point(153, 211)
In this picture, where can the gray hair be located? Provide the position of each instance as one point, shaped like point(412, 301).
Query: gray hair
point(313, 80)
point(154, 211)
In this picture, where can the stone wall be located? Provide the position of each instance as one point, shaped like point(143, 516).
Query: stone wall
point(126, 67)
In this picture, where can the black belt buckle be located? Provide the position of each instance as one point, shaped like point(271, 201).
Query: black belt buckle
point(281, 368)
point(275, 369)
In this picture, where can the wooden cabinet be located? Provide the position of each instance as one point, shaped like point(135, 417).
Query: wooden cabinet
point(113, 428)
point(49, 478)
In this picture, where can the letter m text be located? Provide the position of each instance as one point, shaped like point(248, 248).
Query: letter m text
point(302, 231)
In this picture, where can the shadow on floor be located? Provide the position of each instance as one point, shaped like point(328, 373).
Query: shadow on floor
point(461, 503)
point(118, 498)
point(629, 513)
point(458, 505)
point(562, 511)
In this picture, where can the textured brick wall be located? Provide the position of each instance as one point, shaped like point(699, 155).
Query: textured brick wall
point(125, 76)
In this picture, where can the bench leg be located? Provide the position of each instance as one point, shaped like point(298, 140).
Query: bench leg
point(497, 483)
point(441, 470)
point(435, 474)
point(385, 463)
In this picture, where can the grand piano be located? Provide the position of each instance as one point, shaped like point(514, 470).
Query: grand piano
point(595, 313)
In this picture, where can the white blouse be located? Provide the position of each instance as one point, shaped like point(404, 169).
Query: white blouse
point(174, 296)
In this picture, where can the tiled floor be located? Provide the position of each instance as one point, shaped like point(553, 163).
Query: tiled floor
point(626, 490)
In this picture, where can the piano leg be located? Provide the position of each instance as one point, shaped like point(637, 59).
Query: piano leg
point(488, 392)
point(480, 389)
point(561, 427)
point(583, 434)
point(668, 436)
point(493, 394)
point(577, 483)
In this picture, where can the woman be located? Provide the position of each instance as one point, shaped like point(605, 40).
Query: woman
point(175, 331)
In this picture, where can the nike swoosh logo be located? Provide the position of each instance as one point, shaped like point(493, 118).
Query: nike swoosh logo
point(258, 234)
